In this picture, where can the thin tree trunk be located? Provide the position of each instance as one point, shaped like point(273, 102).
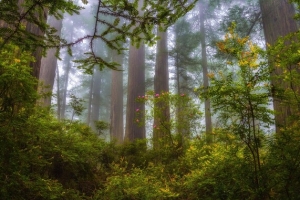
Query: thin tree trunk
point(90, 102)
point(95, 98)
point(208, 122)
point(65, 87)
point(277, 17)
point(58, 96)
point(116, 112)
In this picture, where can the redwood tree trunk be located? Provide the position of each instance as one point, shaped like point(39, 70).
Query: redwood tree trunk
point(95, 107)
point(277, 18)
point(161, 126)
point(49, 64)
point(116, 112)
point(135, 113)
point(135, 126)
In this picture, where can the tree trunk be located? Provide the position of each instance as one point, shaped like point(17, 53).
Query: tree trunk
point(277, 18)
point(88, 121)
point(116, 112)
point(135, 113)
point(161, 126)
point(208, 123)
point(95, 109)
point(65, 86)
point(32, 28)
point(49, 64)
point(135, 122)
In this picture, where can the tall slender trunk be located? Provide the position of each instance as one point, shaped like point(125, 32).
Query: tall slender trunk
point(277, 18)
point(49, 64)
point(116, 111)
point(58, 97)
point(95, 98)
point(65, 87)
point(208, 122)
point(161, 127)
point(90, 102)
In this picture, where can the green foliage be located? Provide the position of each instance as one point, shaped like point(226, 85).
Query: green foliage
point(77, 105)
point(187, 115)
point(101, 126)
point(17, 89)
point(16, 17)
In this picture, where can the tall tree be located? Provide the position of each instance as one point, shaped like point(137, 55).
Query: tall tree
point(135, 126)
point(278, 20)
point(161, 84)
point(95, 106)
point(208, 121)
point(116, 110)
point(49, 63)
point(186, 43)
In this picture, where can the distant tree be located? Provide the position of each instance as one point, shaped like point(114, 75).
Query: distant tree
point(185, 45)
point(116, 109)
point(207, 109)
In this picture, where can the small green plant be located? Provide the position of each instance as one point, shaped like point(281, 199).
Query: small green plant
point(101, 126)
point(241, 97)
point(77, 105)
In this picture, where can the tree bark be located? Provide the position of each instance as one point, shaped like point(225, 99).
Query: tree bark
point(135, 126)
point(116, 112)
point(49, 64)
point(135, 113)
point(277, 18)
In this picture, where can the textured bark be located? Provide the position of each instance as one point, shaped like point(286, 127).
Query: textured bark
point(49, 64)
point(161, 127)
point(32, 28)
point(277, 17)
point(116, 112)
point(208, 122)
point(135, 126)
point(135, 111)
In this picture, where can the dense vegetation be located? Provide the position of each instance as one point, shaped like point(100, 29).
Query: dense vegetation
point(46, 158)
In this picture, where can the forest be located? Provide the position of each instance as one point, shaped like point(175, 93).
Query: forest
point(149, 99)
